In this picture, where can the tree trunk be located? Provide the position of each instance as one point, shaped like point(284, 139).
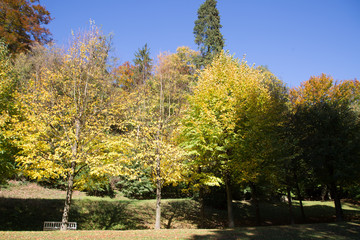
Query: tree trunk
point(291, 215)
point(69, 191)
point(324, 191)
point(300, 199)
point(202, 207)
point(229, 204)
point(158, 195)
point(337, 202)
point(255, 200)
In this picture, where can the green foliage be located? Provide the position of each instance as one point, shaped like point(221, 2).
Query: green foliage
point(329, 139)
point(207, 32)
point(143, 65)
point(326, 131)
point(227, 128)
point(140, 188)
point(326, 127)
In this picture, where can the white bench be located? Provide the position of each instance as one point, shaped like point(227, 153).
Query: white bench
point(52, 226)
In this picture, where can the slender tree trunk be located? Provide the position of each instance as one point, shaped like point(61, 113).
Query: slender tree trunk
point(291, 214)
point(337, 202)
point(201, 202)
point(300, 199)
point(69, 190)
point(158, 195)
point(255, 200)
point(323, 192)
point(158, 160)
point(229, 204)
point(202, 207)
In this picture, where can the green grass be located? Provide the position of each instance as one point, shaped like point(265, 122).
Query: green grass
point(24, 207)
point(338, 231)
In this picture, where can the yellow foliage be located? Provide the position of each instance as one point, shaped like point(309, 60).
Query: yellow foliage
point(225, 125)
point(68, 107)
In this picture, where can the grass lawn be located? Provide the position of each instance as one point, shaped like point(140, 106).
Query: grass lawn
point(338, 231)
point(25, 206)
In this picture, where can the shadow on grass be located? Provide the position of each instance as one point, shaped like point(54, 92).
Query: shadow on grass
point(177, 213)
point(105, 215)
point(338, 231)
point(30, 214)
point(278, 214)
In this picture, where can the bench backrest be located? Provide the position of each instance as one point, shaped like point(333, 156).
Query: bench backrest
point(50, 226)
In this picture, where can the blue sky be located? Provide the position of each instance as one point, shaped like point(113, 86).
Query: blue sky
point(296, 39)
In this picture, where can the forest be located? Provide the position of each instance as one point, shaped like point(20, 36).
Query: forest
point(197, 124)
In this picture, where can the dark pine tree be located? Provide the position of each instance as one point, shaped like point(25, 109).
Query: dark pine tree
point(207, 32)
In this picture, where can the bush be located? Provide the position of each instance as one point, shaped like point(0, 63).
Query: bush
point(140, 188)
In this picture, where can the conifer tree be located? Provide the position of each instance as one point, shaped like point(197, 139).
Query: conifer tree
point(143, 64)
point(207, 32)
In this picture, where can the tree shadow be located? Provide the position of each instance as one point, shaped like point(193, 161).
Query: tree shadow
point(105, 215)
point(179, 212)
point(346, 230)
point(30, 214)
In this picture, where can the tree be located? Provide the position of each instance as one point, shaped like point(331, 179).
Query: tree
point(225, 125)
point(327, 129)
point(262, 144)
point(21, 24)
point(9, 114)
point(207, 32)
point(143, 64)
point(124, 76)
point(69, 107)
point(174, 75)
point(152, 118)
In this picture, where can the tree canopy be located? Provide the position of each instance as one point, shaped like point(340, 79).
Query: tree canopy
point(207, 32)
point(22, 23)
point(69, 107)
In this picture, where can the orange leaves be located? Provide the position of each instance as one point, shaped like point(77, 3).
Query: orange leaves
point(22, 24)
point(323, 88)
point(124, 75)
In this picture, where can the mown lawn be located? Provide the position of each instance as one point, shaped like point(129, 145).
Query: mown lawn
point(338, 231)
point(25, 207)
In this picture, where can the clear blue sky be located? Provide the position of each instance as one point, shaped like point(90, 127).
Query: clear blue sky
point(296, 39)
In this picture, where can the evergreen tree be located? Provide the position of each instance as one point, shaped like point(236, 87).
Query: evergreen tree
point(143, 64)
point(207, 32)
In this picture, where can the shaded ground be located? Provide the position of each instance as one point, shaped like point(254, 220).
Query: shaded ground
point(17, 213)
point(338, 231)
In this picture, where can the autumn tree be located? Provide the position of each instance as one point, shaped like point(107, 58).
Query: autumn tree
point(22, 23)
point(207, 32)
point(264, 141)
point(225, 124)
point(9, 114)
point(327, 129)
point(125, 76)
point(173, 78)
point(152, 117)
point(69, 108)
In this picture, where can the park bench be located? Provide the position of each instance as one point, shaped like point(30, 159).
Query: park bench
point(52, 226)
